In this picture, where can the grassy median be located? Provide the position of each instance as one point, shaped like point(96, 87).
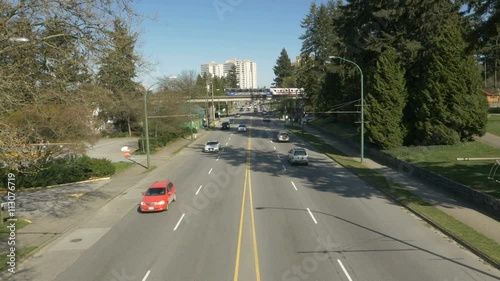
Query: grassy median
point(442, 159)
point(465, 233)
point(121, 166)
point(493, 125)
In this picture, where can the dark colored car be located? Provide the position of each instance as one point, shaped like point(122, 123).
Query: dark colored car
point(225, 126)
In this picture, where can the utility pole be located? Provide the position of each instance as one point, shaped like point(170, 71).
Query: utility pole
point(362, 104)
point(207, 115)
point(213, 105)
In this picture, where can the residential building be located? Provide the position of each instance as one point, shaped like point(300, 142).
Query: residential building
point(212, 69)
point(247, 74)
point(246, 71)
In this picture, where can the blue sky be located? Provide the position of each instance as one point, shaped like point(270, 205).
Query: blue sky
point(189, 33)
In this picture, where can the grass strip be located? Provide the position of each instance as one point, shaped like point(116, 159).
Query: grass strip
point(20, 252)
point(455, 227)
point(493, 125)
point(121, 166)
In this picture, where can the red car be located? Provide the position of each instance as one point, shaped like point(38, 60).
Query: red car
point(158, 196)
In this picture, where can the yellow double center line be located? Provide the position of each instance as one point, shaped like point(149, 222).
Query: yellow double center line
point(248, 179)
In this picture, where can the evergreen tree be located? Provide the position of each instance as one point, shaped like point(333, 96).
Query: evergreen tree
point(232, 77)
point(319, 41)
point(334, 90)
point(308, 24)
point(447, 106)
point(306, 71)
point(290, 81)
point(385, 102)
point(282, 69)
point(117, 71)
point(201, 86)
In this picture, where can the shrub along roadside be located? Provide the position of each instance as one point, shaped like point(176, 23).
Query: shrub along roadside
point(72, 168)
point(162, 140)
point(464, 233)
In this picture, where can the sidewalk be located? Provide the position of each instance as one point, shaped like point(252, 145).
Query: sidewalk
point(55, 223)
point(490, 139)
point(454, 207)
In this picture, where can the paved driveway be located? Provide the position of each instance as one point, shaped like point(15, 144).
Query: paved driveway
point(111, 149)
point(56, 202)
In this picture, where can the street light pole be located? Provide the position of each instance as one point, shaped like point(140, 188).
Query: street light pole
point(146, 129)
point(485, 72)
point(218, 104)
point(362, 105)
point(207, 114)
point(212, 112)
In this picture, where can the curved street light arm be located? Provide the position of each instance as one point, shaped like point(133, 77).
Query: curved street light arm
point(362, 104)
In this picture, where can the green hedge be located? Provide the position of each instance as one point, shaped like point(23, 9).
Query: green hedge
point(494, 110)
point(63, 170)
point(162, 140)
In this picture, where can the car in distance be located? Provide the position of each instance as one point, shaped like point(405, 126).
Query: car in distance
point(308, 118)
point(237, 115)
point(212, 146)
point(266, 119)
point(158, 197)
point(242, 128)
point(282, 136)
point(298, 155)
point(225, 126)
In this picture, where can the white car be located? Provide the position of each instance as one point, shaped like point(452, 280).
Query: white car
point(283, 136)
point(298, 155)
point(212, 146)
point(242, 128)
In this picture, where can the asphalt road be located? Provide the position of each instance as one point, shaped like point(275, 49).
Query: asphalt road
point(246, 214)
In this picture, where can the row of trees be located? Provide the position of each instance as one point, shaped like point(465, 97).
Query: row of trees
point(422, 79)
point(67, 67)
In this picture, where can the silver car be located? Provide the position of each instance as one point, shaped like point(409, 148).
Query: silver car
point(212, 146)
point(283, 136)
point(242, 128)
point(298, 155)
